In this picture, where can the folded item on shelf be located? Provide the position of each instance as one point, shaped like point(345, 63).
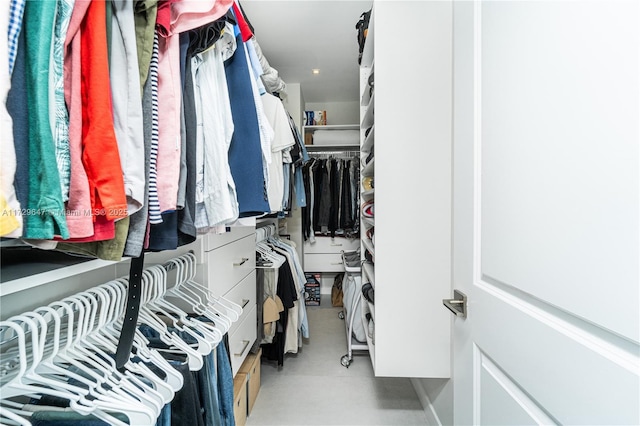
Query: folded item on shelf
point(336, 137)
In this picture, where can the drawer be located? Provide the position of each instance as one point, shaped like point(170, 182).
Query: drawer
point(213, 241)
point(331, 245)
point(330, 262)
point(242, 339)
point(229, 264)
point(240, 399)
point(251, 367)
point(243, 294)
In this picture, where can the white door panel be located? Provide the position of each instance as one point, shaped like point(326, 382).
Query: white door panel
point(547, 212)
point(500, 400)
point(559, 155)
point(560, 364)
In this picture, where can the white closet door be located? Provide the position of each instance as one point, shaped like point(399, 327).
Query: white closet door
point(546, 212)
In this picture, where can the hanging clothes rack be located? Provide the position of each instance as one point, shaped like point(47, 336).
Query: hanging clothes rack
point(76, 337)
point(335, 154)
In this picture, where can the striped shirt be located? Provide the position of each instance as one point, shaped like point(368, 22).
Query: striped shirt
point(155, 216)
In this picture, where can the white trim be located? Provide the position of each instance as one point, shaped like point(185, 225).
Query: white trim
point(429, 409)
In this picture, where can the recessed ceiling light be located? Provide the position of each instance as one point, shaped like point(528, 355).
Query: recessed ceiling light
point(315, 71)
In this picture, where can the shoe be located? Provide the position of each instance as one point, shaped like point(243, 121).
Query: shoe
point(367, 183)
point(369, 256)
point(367, 209)
point(369, 158)
point(368, 292)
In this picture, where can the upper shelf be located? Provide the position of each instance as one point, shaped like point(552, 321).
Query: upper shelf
point(37, 269)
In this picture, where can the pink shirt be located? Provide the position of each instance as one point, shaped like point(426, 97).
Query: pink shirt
point(80, 220)
point(174, 17)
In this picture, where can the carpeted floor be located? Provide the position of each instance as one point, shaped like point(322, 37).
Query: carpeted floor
point(313, 388)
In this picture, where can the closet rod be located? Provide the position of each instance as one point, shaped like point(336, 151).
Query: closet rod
point(327, 154)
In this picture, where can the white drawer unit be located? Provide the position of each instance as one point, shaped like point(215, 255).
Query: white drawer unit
point(331, 245)
point(241, 340)
point(230, 271)
point(243, 294)
point(229, 264)
point(212, 241)
point(327, 262)
point(325, 254)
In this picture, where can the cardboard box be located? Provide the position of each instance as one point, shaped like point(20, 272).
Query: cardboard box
point(315, 118)
point(312, 289)
point(240, 399)
point(251, 367)
point(308, 138)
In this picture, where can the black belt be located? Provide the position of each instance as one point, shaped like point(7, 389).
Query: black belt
point(125, 344)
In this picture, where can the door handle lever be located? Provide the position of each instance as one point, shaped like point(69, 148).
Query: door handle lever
point(457, 305)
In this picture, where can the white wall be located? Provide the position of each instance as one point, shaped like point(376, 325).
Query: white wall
point(436, 396)
point(337, 112)
point(293, 101)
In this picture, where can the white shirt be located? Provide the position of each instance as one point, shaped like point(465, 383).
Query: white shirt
point(282, 140)
point(215, 187)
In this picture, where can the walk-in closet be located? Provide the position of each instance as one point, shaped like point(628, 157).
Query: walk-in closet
point(367, 212)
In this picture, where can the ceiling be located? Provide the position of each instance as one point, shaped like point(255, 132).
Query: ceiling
point(297, 36)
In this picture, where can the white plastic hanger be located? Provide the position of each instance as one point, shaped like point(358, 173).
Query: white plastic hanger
point(205, 340)
point(161, 393)
point(123, 396)
point(267, 253)
point(79, 404)
point(110, 312)
point(221, 320)
point(233, 310)
point(6, 414)
point(148, 317)
point(29, 379)
point(118, 292)
point(20, 386)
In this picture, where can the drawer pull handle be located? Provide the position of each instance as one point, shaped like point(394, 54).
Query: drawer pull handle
point(245, 302)
point(336, 244)
point(336, 263)
point(246, 343)
point(244, 260)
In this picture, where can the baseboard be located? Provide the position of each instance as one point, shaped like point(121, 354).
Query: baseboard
point(427, 406)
